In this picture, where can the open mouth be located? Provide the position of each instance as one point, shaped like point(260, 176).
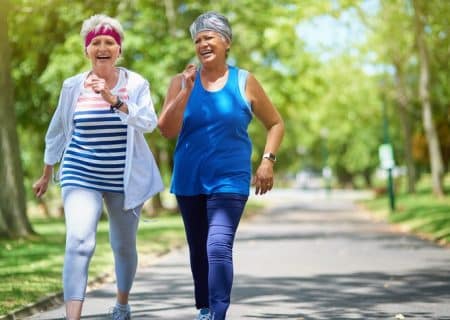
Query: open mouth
point(103, 57)
point(206, 53)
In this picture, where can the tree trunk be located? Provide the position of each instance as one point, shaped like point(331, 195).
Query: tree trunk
point(42, 205)
point(367, 174)
point(156, 202)
point(171, 17)
point(406, 125)
point(13, 218)
point(156, 199)
point(437, 169)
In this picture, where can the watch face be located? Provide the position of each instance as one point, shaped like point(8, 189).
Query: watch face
point(270, 156)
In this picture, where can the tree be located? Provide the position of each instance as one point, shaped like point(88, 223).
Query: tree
point(437, 169)
point(406, 121)
point(311, 93)
point(394, 52)
point(13, 218)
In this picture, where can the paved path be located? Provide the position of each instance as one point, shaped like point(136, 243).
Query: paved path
point(310, 256)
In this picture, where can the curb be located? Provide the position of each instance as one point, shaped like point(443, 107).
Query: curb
point(57, 299)
point(53, 300)
point(401, 228)
point(43, 304)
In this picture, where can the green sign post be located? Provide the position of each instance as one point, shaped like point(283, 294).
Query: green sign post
point(386, 155)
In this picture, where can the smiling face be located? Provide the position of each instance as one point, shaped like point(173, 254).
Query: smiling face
point(211, 46)
point(103, 51)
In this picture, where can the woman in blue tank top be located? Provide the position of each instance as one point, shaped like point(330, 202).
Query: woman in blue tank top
point(209, 108)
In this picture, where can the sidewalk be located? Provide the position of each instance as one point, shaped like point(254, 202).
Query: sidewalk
point(310, 256)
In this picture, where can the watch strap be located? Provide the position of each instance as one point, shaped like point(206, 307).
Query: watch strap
point(117, 105)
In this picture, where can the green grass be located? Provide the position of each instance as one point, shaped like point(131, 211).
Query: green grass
point(31, 269)
point(420, 213)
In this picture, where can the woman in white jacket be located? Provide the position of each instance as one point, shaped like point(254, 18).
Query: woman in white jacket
point(97, 134)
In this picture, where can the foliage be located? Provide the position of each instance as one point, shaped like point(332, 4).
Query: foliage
point(420, 213)
point(394, 50)
point(319, 91)
point(13, 217)
point(31, 269)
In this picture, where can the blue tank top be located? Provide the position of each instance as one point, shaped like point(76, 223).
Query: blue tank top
point(213, 150)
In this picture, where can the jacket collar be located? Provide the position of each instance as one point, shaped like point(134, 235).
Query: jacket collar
point(81, 77)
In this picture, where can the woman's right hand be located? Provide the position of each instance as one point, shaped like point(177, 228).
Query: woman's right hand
point(170, 119)
point(41, 186)
point(188, 76)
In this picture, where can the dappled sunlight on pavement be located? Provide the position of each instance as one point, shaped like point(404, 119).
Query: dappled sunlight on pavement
point(309, 255)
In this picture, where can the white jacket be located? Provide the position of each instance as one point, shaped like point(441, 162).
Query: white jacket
point(142, 178)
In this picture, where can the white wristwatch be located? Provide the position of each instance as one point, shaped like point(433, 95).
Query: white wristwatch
point(270, 156)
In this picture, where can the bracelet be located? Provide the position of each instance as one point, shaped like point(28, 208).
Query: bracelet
point(117, 105)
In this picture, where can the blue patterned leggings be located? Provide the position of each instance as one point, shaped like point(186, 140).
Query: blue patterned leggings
point(211, 222)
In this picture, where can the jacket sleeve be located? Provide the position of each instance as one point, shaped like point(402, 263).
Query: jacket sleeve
point(141, 113)
point(55, 138)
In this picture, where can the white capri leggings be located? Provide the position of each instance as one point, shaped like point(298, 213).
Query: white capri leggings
point(83, 208)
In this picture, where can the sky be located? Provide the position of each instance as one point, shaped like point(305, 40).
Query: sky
point(328, 36)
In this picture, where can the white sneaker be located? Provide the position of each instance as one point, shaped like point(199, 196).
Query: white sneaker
point(118, 314)
point(204, 314)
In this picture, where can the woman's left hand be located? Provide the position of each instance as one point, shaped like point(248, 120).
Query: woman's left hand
point(263, 178)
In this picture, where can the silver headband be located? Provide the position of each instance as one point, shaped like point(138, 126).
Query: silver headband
point(211, 21)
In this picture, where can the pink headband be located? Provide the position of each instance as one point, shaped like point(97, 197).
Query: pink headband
point(103, 31)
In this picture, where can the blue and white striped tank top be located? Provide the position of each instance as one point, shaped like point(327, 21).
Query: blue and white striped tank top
point(95, 157)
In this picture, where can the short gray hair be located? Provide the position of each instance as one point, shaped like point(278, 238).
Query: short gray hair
point(98, 21)
point(211, 21)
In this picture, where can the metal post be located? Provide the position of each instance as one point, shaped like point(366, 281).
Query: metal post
point(391, 190)
point(390, 183)
point(326, 170)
